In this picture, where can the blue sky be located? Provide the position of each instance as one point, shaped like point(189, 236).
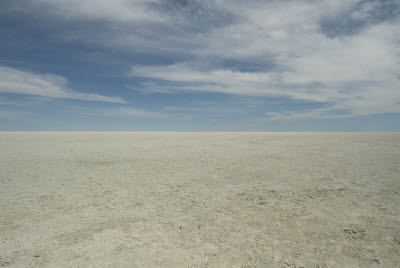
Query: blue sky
point(211, 65)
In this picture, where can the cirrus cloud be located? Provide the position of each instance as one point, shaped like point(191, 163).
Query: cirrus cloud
point(46, 85)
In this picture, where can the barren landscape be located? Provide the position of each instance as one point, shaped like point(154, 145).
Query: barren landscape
point(200, 199)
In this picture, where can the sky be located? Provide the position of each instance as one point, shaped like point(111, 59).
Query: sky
point(200, 65)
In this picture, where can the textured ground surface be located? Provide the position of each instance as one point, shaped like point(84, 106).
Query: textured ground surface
point(200, 199)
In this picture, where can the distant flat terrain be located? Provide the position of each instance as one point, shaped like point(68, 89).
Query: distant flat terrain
point(200, 199)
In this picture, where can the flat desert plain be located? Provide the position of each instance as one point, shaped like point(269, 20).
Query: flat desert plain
point(200, 199)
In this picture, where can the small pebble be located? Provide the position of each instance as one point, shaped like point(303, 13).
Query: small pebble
point(37, 256)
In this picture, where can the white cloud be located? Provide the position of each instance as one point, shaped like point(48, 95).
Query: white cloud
point(356, 73)
point(221, 80)
point(131, 112)
point(319, 113)
point(46, 85)
point(112, 11)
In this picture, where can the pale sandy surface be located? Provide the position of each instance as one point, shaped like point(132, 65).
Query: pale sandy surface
point(200, 199)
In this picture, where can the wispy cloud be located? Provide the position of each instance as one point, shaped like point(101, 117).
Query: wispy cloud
point(3, 100)
point(14, 114)
point(131, 112)
point(117, 10)
point(356, 72)
point(46, 85)
point(319, 113)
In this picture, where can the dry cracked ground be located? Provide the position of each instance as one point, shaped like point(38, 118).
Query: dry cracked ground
point(200, 199)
